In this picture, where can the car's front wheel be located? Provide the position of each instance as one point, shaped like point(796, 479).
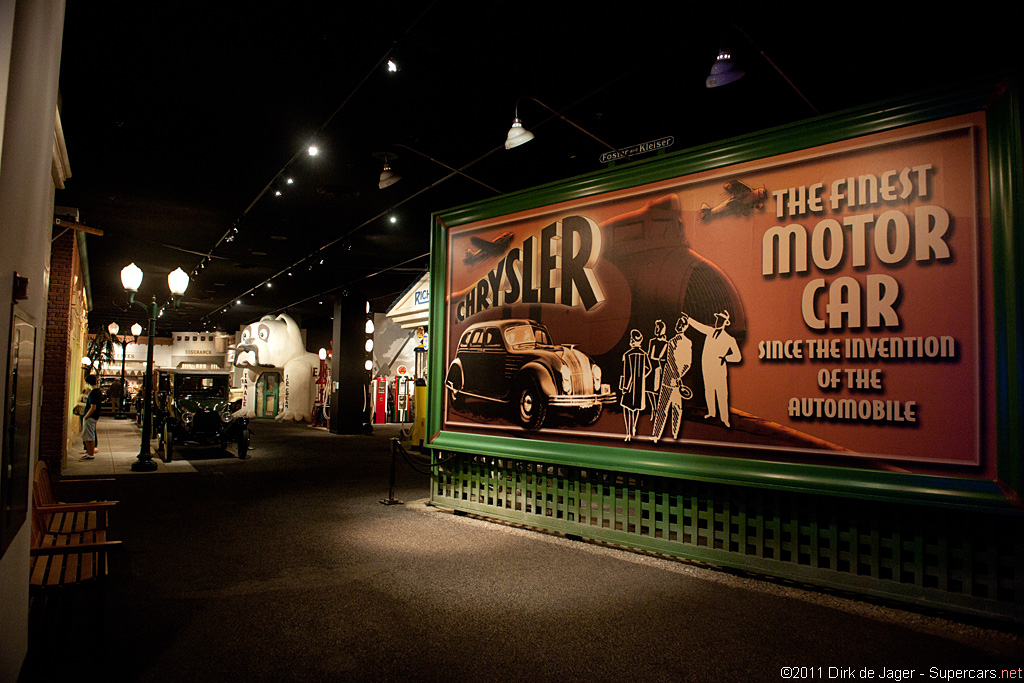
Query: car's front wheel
point(168, 442)
point(532, 405)
point(455, 382)
point(589, 416)
point(243, 444)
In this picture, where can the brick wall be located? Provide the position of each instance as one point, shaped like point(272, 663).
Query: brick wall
point(56, 361)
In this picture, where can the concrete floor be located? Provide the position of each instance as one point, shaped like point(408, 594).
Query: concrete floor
point(118, 445)
point(285, 567)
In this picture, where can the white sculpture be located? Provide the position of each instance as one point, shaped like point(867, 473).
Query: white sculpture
point(276, 344)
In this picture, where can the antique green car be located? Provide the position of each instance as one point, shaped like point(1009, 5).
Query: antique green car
point(196, 410)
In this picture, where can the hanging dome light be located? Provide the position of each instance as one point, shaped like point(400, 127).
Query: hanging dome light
point(517, 135)
point(388, 177)
point(723, 71)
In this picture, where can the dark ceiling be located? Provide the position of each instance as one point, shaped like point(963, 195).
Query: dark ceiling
point(182, 119)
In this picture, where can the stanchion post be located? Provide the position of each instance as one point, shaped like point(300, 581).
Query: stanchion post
point(391, 500)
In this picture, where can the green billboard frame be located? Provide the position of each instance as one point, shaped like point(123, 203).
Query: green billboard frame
point(1000, 102)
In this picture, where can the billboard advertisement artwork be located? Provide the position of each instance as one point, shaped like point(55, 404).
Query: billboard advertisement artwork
point(820, 306)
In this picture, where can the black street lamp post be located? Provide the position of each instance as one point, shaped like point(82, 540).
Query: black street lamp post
point(177, 281)
point(113, 328)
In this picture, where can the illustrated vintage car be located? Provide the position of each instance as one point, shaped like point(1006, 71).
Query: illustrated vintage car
point(195, 409)
point(514, 362)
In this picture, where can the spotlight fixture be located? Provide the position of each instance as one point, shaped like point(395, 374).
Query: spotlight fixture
point(392, 66)
point(289, 181)
point(393, 219)
point(277, 193)
point(313, 150)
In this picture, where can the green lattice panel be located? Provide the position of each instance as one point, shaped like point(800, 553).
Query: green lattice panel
point(970, 560)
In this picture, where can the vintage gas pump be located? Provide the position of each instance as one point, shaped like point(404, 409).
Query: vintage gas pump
point(419, 425)
point(380, 402)
point(402, 392)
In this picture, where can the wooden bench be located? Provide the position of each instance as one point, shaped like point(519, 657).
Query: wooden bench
point(69, 543)
point(67, 559)
point(67, 518)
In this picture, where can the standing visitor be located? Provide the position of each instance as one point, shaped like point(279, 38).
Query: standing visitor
point(93, 408)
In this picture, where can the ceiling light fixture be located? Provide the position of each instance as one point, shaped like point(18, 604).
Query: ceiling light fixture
point(392, 177)
point(723, 71)
point(313, 150)
point(518, 135)
point(392, 66)
point(388, 177)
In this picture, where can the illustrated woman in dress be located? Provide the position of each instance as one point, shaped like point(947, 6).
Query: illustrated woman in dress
point(656, 350)
point(632, 383)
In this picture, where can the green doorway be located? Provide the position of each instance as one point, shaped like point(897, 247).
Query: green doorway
point(268, 388)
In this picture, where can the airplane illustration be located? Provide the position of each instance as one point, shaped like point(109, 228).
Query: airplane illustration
point(485, 248)
point(742, 198)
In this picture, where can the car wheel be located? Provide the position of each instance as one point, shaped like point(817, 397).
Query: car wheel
point(589, 416)
point(457, 395)
point(243, 444)
point(532, 406)
point(168, 442)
